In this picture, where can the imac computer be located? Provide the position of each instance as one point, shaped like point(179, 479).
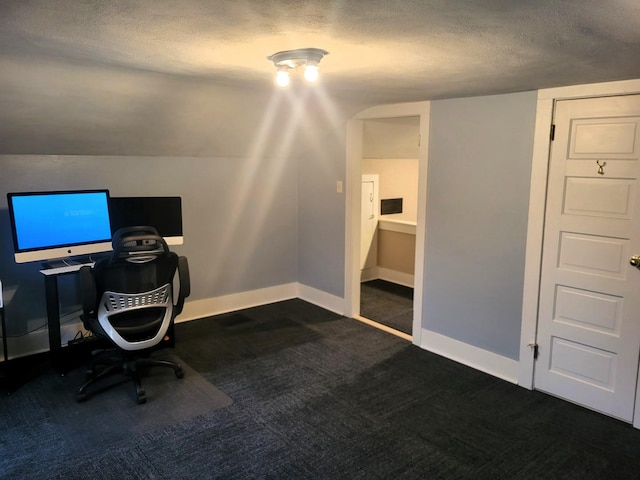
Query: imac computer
point(162, 213)
point(55, 225)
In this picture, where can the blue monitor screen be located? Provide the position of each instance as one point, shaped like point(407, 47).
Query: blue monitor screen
point(49, 220)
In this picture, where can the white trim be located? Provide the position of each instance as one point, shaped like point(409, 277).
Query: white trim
point(400, 226)
point(474, 357)
point(396, 110)
point(353, 179)
point(395, 276)
point(591, 90)
point(322, 299)
point(636, 411)
point(38, 341)
point(421, 221)
point(69, 330)
point(533, 256)
point(535, 227)
point(208, 307)
point(31, 344)
point(384, 328)
point(352, 204)
point(370, 274)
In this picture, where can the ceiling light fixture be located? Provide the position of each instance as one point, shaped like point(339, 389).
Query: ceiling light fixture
point(289, 60)
point(282, 77)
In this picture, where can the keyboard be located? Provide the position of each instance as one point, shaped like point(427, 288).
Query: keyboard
point(66, 268)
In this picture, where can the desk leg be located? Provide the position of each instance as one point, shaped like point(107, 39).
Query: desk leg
point(4, 335)
point(6, 378)
point(53, 318)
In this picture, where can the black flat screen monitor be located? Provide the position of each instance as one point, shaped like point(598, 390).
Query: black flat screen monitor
point(54, 225)
point(163, 213)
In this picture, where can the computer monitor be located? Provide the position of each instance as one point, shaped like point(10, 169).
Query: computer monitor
point(55, 225)
point(162, 213)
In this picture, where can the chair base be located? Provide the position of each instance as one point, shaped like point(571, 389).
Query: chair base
point(121, 364)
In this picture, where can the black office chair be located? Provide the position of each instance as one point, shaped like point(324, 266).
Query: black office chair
point(128, 299)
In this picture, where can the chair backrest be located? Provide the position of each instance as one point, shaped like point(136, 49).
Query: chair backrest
point(141, 261)
point(133, 301)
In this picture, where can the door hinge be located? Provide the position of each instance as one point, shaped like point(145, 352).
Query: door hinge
point(534, 347)
point(552, 135)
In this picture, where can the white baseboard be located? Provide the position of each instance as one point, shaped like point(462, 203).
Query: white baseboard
point(367, 274)
point(236, 301)
point(38, 341)
point(395, 276)
point(31, 344)
point(474, 357)
point(483, 360)
point(322, 299)
point(384, 328)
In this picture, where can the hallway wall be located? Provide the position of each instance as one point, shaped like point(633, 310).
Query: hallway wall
point(480, 153)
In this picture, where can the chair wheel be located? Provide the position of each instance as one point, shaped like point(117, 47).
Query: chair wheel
point(142, 398)
point(81, 397)
point(179, 373)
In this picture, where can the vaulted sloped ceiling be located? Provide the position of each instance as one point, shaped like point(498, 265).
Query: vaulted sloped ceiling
point(161, 77)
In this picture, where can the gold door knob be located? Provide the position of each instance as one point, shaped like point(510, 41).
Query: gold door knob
point(635, 261)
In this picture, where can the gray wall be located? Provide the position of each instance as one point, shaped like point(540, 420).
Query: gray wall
point(321, 215)
point(480, 152)
point(256, 169)
point(239, 219)
point(56, 107)
point(257, 172)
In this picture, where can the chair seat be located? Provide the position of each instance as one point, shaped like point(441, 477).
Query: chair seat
point(136, 322)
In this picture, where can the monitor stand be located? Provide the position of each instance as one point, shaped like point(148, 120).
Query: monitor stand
point(60, 262)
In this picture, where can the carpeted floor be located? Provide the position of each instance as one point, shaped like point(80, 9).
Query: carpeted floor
point(317, 396)
point(46, 407)
point(387, 303)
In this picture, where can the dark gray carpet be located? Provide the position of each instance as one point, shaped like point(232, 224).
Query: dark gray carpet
point(43, 415)
point(318, 396)
point(387, 303)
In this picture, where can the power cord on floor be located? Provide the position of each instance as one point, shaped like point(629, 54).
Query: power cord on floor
point(80, 337)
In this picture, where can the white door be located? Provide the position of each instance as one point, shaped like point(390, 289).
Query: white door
point(368, 222)
point(589, 317)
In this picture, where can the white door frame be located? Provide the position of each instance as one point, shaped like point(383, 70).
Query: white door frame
point(537, 200)
point(352, 204)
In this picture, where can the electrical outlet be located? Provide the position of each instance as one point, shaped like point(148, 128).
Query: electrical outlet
point(339, 186)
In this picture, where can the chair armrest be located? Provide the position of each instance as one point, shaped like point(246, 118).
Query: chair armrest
point(185, 284)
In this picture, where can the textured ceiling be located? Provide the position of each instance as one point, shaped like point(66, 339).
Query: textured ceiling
point(380, 51)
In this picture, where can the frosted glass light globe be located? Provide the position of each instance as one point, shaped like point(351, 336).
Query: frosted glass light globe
point(311, 73)
point(282, 78)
